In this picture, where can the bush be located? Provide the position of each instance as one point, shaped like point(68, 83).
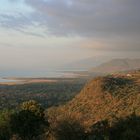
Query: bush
point(4, 124)
point(126, 129)
point(69, 129)
point(29, 122)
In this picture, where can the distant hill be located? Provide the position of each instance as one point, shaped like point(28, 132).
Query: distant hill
point(85, 64)
point(105, 98)
point(117, 65)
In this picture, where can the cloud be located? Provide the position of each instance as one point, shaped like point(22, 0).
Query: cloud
point(14, 21)
point(112, 22)
point(82, 17)
point(88, 17)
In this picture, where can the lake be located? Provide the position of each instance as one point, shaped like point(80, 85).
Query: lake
point(2, 80)
point(48, 74)
point(36, 74)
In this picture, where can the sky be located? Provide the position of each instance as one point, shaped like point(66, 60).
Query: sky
point(47, 34)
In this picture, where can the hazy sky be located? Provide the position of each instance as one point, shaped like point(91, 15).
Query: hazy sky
point(45, 34)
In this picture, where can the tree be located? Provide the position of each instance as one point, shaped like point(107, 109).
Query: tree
point(69, 129)
point(126, 129)
point(34, 107)
point(29, 122)
point(100, 131)
point(4, 124)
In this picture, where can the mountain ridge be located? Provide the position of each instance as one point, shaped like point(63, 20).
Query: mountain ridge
point(117, 65)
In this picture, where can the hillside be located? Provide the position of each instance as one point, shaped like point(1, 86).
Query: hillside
point(117, 65)
point(107, 108)
point(85, 64)
point(104, 98)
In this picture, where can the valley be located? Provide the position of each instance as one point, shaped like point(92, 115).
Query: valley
point(88, 106)
point(50, 92)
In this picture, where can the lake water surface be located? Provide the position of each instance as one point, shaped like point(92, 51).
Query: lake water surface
point(2, 80)
point(56, 74)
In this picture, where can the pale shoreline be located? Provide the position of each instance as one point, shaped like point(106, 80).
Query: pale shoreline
point(28, 80)
point(20, 81)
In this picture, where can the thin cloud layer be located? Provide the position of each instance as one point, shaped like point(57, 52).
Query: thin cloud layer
point(88, 17)
point(112, 21)
point(104, 18)
point(108, 27)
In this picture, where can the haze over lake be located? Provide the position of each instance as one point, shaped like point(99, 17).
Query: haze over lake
point(43, 74)
point(2, 80)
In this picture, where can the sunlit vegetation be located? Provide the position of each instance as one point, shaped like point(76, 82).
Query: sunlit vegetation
point(94, 114)
point(104, 100)
point(30, 123)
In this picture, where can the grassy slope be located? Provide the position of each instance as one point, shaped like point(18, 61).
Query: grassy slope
point(104, 98)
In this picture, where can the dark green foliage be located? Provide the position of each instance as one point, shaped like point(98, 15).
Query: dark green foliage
point(4, 124)
point(123, 129)
point(69, 130)
point(29, 122)
point(119, 85)
point(126, 129)
point(99, 131)
point(26, 124)
point(49, 94)
point(112, 83)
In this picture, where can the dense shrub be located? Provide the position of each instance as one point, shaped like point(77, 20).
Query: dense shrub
point(126, 129)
